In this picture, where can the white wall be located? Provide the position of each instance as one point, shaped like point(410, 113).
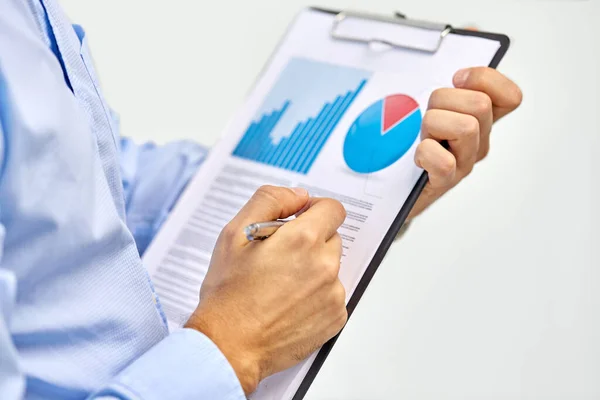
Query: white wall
point(493, 293)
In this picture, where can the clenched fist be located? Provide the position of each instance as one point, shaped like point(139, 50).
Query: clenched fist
point(463, 116)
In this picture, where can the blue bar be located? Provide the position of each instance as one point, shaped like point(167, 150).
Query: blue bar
point(289, 141)
point(309, 137)
point(325, 133)
point(239, 150)
point(300, 152)
point(277, 151)
point(289, 144)
point(262, 139)
point(254, 137)
point(317, 131)
point(268, 147)
point(300, 137)
point(359, 88)
point(351, 96)
point(287, 103)
point(255, 141)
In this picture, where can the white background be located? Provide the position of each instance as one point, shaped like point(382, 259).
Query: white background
point(493, 293)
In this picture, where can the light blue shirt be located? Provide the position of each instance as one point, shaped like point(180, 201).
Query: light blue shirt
point(78, 315)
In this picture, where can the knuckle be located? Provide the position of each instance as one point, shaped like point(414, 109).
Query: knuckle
point(339, 312)
point(435, 96)
point(428, 123)
point(338, 209)
point(470, 126)
point(482, 104)
point(308, 236)
point(338, 238)
point(427, 145)
point(419, 153)
point(331, 269)
point(229, 232)
point(516, 98)
point(342, 318)
point(267, 191)
point(448, 165)
point(340, 295)
point(269, 198)
point(428, 120)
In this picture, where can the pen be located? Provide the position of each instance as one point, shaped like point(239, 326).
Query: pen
point(262, 230)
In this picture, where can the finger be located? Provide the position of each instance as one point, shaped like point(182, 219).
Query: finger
point(505, 94)
point(333, 256)
point(477, 104)
point(267, 204)
point(340, 312)
point(322, 218)
point(338, 297)
point(460, 130)
point(439, 163)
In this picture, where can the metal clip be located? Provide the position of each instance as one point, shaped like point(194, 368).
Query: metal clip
point(443, 29)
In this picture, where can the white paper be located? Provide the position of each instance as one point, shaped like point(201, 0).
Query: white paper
point(309, 70)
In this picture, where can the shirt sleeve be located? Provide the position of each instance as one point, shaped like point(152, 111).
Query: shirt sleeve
point(153, 179)
point(12, 381)
point(185, 365)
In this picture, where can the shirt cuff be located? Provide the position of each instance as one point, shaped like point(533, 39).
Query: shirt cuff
point(184, 365)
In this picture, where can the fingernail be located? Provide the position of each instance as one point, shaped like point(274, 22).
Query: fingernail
point(460, 78)
point(300, 192)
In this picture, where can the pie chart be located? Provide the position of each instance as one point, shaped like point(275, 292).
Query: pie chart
point(382, 134)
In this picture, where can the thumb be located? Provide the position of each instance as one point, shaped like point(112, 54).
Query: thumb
point(270, 203)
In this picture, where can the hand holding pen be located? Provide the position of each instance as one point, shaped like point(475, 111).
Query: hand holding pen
point(262, 230)
point(268, 305)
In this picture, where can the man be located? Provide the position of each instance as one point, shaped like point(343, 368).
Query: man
point(78, 315)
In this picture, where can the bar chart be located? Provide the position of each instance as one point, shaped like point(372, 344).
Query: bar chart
point(312, 98)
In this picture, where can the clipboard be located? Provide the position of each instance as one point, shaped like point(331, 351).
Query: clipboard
point(401, 19)
point(323, 43)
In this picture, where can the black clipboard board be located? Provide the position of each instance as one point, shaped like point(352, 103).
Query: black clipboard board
point(400, 218)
